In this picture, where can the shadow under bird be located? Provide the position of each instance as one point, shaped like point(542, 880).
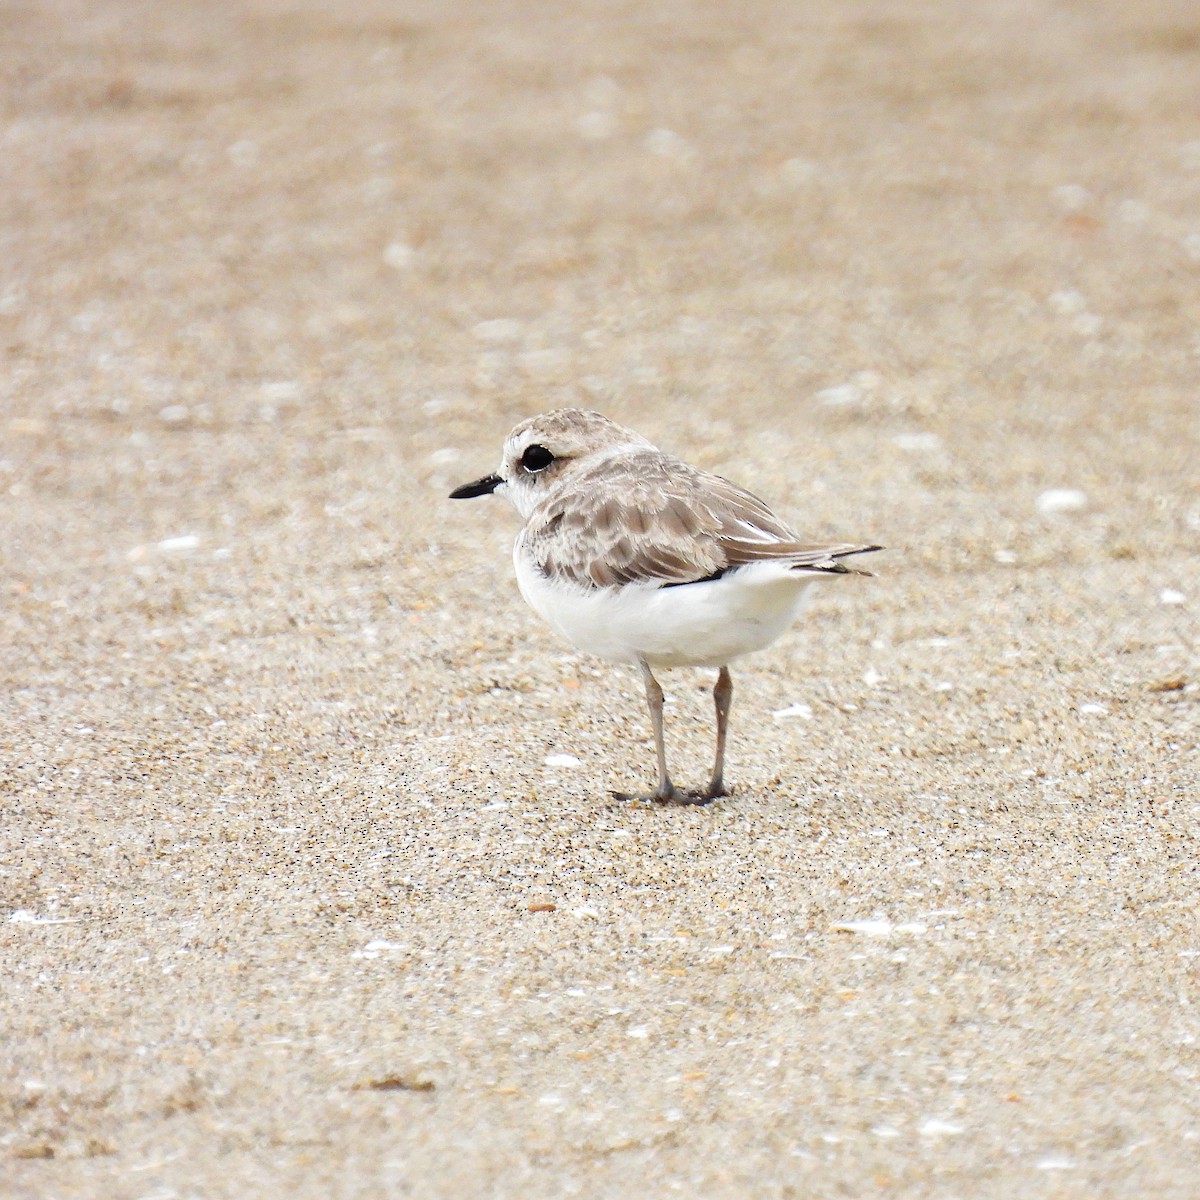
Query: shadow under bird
point(638, 557)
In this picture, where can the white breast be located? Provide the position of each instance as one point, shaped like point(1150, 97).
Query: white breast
point(699, 625)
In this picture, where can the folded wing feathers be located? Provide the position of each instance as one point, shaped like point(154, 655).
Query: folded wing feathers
point(751, 532)
point(664, 521)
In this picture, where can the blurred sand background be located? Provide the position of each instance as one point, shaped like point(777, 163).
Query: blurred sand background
point(280, 842)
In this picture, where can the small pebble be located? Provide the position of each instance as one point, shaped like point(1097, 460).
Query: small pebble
point(1176, 683)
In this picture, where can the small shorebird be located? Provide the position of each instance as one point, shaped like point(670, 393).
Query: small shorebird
point(638, 557)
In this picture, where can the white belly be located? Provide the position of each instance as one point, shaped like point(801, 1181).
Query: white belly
point(698, 625)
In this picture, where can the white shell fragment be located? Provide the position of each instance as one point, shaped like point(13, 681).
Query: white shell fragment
point(499, 329)
point(596, 125)
point(933, 1127)
point(798, 170)
point(917, 442)
point(1055, 1162)
point(22, 916)
point(879, 927)
point(801, 710)
point(1072, 196)
point(562, 760)
point(377, 947)
point(666, 143)
point(875, 928)
point(1067, 302)
point(1171, 596)
point(398, 255)
point(1061, 500)
point(840, 396)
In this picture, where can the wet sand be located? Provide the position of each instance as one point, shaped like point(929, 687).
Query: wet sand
point(291, 902)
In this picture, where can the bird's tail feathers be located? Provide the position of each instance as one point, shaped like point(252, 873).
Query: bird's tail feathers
point(826, 560)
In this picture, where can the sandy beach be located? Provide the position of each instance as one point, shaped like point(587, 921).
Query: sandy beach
point(312, 879)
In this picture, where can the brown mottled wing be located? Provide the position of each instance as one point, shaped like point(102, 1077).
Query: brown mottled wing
point(650, 518)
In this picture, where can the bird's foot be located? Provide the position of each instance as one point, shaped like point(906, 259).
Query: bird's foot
point(675, 796)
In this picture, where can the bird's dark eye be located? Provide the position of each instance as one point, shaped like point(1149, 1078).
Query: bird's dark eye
point(536, 458)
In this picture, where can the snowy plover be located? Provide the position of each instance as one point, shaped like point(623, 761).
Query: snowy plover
point(638, 557)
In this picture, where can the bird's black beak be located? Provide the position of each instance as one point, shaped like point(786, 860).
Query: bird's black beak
point(481, 487)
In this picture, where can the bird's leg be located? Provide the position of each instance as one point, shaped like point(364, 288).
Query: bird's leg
point(654, 699)
point(722, 697)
